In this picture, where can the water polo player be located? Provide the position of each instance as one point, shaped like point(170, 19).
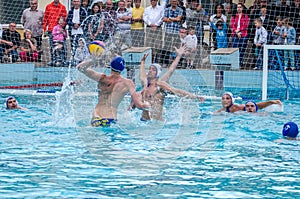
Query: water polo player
point(111, 91)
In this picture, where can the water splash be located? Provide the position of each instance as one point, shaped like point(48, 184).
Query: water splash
point(64, 111)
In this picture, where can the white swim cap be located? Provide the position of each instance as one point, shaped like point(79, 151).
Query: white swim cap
point(231, 96)
point(158, 69)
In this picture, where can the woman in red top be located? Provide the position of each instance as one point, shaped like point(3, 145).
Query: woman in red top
point(239, 28)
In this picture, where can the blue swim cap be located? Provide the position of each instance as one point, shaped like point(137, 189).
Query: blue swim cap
point(256, 107)
point(231, 96)
point(6, 101)
point(117, 64)
point(290, 129)
point(158, 69)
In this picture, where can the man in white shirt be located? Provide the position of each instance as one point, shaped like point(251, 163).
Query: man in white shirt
point(153, 18)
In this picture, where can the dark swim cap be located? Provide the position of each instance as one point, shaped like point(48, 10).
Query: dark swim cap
point(290, 129)
point(6, 101)
point(256, 107)
point(117, 64)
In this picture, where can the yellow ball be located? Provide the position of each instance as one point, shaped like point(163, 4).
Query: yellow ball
point(97, 48)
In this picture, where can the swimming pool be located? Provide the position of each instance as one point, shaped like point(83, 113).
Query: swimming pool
point(50, 151)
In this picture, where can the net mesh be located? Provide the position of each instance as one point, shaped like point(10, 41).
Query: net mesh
point(209, 69)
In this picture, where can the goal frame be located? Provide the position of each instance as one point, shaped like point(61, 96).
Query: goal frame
point(265, 64)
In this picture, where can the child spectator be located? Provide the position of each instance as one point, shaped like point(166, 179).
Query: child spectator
point(28, 51)
point(59, 37)
point(260, 39)
point(191, 45)
point(278, 31)
point(82, 52)
point(182, 36)
point(290, 39)
point(221, 33)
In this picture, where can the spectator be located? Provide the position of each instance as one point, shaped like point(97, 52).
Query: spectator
point(95, 24)
point(219, 14)
point(260, 40)
point(11, 35)
point(53, 12)
point(221, 33)
point(59, 34)
point(195, 17)
point(239, 28)
point(153, 18)
point(3, 42)
point(124, 21)
point(282, 9)
point(245, 9)
point(172, 19)
point(28, 51)
point(110, 21)
point(290, 39)
point(32, 19)
point(100, 3)
point(137, 25)
point(267, 21)
point(128, 4)
point(191, 47)
point(295, 16)
point(229, 4)
point(82, 52)
point(76, 16)
point(85, 4)
point(182, 36)
point(115, 47)
point(278, 31)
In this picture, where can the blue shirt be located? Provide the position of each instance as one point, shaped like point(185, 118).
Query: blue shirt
point(174, 26)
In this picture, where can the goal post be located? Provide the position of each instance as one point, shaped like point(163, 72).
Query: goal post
point(285, 74)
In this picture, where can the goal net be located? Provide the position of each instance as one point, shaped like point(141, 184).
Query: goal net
point(281, 77)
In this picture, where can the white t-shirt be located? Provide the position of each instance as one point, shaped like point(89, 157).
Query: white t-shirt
point(191, 41)
point(76, 19)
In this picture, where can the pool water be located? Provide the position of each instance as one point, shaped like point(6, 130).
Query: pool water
point(191, 154)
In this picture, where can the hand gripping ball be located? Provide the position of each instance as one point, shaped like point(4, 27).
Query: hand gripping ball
point(97, 48)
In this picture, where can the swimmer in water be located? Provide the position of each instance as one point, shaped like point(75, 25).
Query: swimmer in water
point(290, 131)
point(250, 106)
point(155, 87)
point(11, 103)
point(111, 91)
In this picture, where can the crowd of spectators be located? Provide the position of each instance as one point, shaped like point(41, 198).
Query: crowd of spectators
point(157, 26)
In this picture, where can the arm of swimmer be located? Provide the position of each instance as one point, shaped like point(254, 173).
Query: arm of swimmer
point(136, 98)
point(262, 105)
point(83, 67)
point(179, 51)
point(132, 105)
point(179, 92)
point(142, 73)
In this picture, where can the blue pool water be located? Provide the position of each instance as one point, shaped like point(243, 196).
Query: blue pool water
point(192, 154)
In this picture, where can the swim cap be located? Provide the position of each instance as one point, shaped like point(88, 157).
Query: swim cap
point(256, 107)
point(117, 64)
point(231, 96)
point(6, 101)
point(158, 69)
point(290, 129)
